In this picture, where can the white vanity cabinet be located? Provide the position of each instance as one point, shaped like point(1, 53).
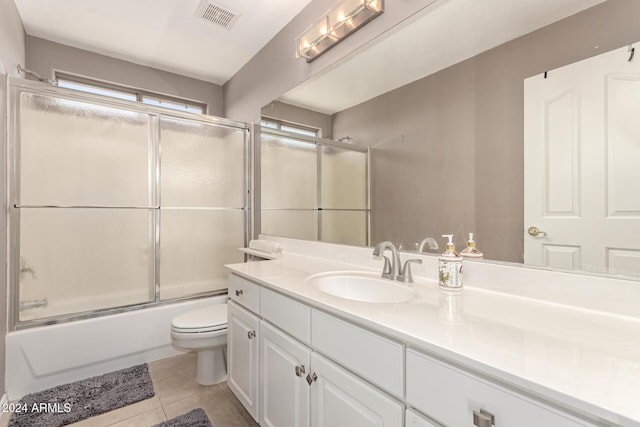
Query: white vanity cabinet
point(299, 387)
point(319, 370)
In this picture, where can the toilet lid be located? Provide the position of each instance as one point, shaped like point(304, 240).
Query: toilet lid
point(202, 318)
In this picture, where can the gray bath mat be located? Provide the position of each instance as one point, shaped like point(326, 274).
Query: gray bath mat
point(69, 403)
point(194, 418)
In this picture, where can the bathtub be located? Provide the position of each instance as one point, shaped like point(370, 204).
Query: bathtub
point(43, 357)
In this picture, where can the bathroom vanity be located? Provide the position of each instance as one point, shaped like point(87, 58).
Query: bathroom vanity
point(298, 356)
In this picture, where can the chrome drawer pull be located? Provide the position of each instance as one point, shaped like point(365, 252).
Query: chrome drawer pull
point(239, 292)
point(483, 418)
point(251, 334)
point(300, 370)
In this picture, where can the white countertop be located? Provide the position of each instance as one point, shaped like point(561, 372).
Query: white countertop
point(581, 359)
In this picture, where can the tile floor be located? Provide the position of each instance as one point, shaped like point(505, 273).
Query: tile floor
point(176, 393)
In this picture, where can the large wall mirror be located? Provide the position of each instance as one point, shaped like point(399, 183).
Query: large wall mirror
point(440, 101)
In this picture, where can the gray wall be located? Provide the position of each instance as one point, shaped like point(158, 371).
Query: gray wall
point(463, 128)
point(422, 156)
point(12, 53)
point(293, 114)
point(45, 57)
point(275, 69)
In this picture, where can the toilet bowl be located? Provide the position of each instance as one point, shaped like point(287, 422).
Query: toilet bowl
point(204, 330)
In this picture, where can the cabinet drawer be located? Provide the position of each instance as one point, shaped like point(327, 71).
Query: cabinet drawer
point(245, 293)
point(450, 395)
point(369, 355)
point(287, 314)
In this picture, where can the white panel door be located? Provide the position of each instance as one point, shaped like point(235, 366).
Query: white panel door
point(340, 399)
point(242, 351)
point(582, 180)
point(284, 392)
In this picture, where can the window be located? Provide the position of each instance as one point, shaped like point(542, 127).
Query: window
point(130, 94)
point(290, 127)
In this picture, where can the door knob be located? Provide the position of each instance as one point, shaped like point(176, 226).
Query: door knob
point(535, 231)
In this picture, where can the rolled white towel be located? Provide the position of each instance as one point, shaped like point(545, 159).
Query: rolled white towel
point(265, 246)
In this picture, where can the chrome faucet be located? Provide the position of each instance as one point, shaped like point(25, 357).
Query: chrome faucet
point(433, 245)
point(394, 270)
point(405, 273)
point(390, 267)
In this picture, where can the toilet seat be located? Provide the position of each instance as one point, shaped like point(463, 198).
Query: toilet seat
point(201, 320)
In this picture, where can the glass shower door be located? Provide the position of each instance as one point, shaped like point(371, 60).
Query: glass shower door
point(83, 206)
point(202, 206)
point(115, 204)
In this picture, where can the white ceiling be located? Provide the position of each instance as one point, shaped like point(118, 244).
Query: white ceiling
point(163, 34)
point(441, 35)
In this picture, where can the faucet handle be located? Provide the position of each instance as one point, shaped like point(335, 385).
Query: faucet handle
point(405, 273)
point(386, 270)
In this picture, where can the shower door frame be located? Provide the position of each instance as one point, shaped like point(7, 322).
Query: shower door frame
point(16, 86)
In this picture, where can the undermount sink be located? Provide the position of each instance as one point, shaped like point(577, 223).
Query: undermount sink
point(361, 286)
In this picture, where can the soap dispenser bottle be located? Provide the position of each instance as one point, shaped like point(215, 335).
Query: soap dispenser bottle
point(471, 251)
point(450, 267)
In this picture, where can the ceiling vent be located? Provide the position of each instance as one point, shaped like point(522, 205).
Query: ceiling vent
point(217, 14)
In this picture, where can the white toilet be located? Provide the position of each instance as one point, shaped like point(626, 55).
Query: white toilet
point(205, 331)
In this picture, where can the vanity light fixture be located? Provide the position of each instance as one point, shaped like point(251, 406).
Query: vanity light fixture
point(337, 24)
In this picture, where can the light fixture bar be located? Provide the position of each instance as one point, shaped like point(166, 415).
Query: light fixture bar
point(337, 24)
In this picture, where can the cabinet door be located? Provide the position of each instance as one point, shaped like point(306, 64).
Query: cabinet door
point(284, 364)
point(340, 399)
point(242, 349)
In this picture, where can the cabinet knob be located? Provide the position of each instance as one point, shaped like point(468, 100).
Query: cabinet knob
point(251, 334)
point(483, 418)
point(300, 370)
point(311, 377)
point(239, 292)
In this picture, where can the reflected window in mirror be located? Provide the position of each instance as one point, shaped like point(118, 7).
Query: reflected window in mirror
point(290, 127)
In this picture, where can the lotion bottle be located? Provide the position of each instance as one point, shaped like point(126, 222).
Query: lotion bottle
point(471, 251)
point(450, 267)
